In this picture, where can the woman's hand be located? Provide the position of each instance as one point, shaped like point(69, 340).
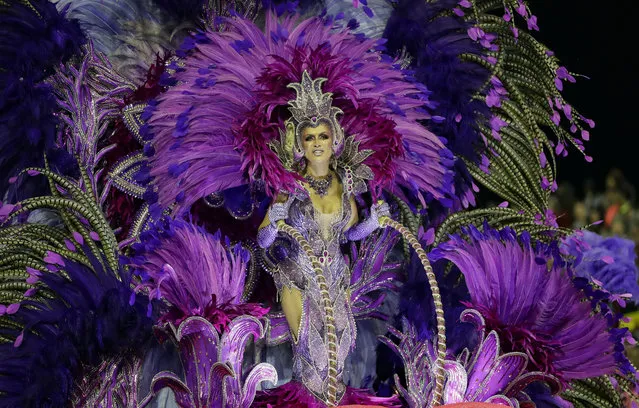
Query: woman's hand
point(379, 210)
point(279, 211)
point(370, 224)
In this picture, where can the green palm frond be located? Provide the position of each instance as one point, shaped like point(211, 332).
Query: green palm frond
point(25, 245)
point(598, 392)
point(530, 73)
point(538, 121)
point(498, 217)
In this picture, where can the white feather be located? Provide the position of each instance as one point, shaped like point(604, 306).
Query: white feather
point(371, 27)
point(131, 33)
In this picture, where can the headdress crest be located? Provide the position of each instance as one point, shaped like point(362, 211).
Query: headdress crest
point(310, 108)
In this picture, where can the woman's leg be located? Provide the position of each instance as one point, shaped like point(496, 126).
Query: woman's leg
point(292, 306)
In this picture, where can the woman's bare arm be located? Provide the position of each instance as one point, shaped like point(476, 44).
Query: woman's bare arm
point(354, 216)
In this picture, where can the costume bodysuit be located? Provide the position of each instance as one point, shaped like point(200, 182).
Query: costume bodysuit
point(324, 233)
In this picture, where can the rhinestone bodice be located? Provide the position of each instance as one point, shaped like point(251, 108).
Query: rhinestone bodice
point(324, 233)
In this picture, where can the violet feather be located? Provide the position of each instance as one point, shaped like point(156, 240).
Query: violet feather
point(527, 297)
point(416, 304)
point(233, 120)
point(611, 261)
point(35, 39)
point(196, 272)
point(374, 273)
point(90, 319)
point(369, 20)
point(435, 40)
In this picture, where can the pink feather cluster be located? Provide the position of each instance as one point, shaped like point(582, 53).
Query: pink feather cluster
point(532, 304)
point(195, 272)
point(211, 131)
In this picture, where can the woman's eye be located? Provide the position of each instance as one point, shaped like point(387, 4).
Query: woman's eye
point(323, 137)
point(309, 138)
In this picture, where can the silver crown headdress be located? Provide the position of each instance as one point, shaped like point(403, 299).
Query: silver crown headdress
point(310, 108)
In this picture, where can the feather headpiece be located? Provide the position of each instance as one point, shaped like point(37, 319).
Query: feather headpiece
point(312, 107)
point(215, 128)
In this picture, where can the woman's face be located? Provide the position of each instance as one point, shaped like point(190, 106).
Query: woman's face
point(317, 143)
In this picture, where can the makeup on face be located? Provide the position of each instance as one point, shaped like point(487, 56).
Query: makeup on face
point(317, 143)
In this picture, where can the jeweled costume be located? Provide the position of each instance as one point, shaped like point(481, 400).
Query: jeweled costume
point(327, 330)
point(311, 360)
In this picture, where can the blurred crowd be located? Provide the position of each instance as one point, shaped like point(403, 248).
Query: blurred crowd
point(608, 210)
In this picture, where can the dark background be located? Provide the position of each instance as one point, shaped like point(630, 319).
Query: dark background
point(598, 41)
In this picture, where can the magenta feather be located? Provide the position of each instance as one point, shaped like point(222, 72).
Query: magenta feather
point(231, 102)
point(534, 307)
point(195, 272)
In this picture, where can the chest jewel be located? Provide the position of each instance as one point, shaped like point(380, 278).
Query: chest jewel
point(320, 185)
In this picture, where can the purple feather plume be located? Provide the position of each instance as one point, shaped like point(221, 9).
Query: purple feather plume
point(610, 261)
point(35, 39)
point(195, 272)
point(211, 132)
point(202, 279)
point(373, 274)
point(435, 39)
point(533, 307)
point(416, 304)
point(89, 320)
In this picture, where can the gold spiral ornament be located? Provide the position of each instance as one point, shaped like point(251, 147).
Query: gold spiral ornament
point(437, 300)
